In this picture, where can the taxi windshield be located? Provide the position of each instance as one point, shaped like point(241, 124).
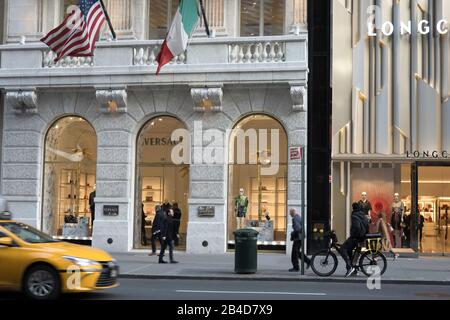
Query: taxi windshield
point(27, 233)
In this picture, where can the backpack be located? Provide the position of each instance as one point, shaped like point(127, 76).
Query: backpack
point(360, 226)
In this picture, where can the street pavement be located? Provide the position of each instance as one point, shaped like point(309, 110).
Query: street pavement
point(274, 267)
point(236, 290)
point(153, 289)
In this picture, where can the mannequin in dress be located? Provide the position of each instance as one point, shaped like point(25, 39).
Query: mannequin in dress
point(398, 203)
point(365, 205)
point(240, 209)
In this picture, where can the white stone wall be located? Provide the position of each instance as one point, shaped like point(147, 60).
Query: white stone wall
point(23, 144)
point(252, 82)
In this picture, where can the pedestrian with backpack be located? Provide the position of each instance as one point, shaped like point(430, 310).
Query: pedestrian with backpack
point(358, 231)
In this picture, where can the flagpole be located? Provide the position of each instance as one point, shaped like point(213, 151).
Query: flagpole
point(113, 33)
point(204, 18)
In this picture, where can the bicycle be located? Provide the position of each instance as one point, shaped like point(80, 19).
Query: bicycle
point(324, 263)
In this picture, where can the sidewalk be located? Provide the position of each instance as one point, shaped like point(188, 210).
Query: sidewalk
point(273, 267)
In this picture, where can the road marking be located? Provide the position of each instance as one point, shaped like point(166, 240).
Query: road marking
point(254, 292)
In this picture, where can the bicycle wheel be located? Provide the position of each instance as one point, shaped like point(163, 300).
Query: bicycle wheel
point(370, 260)
point(324, 263)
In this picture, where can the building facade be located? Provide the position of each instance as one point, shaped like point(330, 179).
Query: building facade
point(390, 114)
point(88, 144)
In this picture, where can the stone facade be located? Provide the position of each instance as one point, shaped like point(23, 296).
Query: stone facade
point(239, 79)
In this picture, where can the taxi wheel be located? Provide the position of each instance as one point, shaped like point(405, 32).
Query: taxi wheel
point(42, 282)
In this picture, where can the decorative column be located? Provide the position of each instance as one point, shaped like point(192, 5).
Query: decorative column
point(22, 101)
point(112, 100)
point(207, 99)
point(299, 95)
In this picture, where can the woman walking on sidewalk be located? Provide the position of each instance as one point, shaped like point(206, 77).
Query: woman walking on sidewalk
point(386, 230)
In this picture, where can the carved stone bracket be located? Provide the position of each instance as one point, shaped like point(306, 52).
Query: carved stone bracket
point(23, 101)
point(299, 95)
point(112, 100)
point(207, 99)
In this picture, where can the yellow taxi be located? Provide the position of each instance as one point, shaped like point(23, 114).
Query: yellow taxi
point(42, 267)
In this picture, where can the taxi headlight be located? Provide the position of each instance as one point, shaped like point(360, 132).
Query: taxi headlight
point(82, 262)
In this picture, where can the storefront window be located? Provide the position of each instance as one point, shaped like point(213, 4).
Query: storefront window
point(434, 208)
point(160, 182)
point(262, 17)
point(380, 187)
point(69, 179)
point(264, 193)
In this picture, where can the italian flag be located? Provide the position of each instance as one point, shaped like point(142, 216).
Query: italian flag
point(183, 25)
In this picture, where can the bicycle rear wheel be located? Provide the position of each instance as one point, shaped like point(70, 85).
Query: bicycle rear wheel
point(324, 263)
point(369, 261)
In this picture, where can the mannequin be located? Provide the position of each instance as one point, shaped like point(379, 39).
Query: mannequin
point(365, 204)
point(398, 220)
point(398, 203)
point(240, 208)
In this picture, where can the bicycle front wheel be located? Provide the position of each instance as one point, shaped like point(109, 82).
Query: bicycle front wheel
point(370, 261)
point(324, 263)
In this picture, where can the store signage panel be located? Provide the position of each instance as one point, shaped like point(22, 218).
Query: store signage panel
point(295, 153)
point(111, 211)
point(206, 211)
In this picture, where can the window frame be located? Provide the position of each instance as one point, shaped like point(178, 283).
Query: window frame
point(2, 21)
point(261, 19)
point(169, 17)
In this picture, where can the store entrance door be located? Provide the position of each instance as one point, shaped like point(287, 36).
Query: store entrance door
point(434, 208)
point(160, 179)
point(161, 185)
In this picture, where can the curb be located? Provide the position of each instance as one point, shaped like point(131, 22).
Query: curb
point(282, 279)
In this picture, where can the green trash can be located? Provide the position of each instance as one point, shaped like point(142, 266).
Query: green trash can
point(246, 251)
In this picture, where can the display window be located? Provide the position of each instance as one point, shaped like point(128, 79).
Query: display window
point(160, 182)
point(68, 210)
point(433, 208)
point(386, 189)
point(257, 197)
point(381, 189)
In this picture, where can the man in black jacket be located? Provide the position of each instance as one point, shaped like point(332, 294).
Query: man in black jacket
point(296, 238)
point(358, 230)
point(168, 233)
point(156, 229)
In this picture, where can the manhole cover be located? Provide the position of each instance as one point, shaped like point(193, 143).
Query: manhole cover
point(433, 294)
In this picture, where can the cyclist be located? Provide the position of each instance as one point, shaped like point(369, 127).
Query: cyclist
point(358, 231)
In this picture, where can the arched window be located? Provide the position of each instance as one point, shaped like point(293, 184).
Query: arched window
point(69, 178)
point(258, 172)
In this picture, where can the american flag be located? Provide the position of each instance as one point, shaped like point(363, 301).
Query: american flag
point(77, 34)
